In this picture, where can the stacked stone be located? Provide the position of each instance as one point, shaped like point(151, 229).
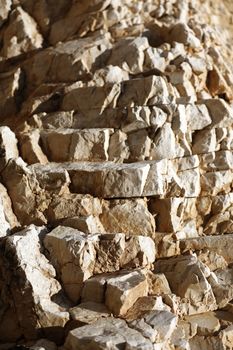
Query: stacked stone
point(116, 159)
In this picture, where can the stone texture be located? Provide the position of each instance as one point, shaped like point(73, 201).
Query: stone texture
point(116, 141)
point(109, 333)
point(21, 35)
point(77, 256)
point(29, 285)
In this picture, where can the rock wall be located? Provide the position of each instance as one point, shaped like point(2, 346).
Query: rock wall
point(116, 159)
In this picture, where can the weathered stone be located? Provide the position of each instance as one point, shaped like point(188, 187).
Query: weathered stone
point(30, 148)
point(164, 144)
point(128, 216)
point(122, 291)
point(109, 180)
point(108, 334)
point(88, 224)
point(28, 199)
point(206, 323)
point(172, 214)
point(8, 145)
point(72, 205)
point(220, 113)
point(182, 33)
point(30, 283)
point(11, 87)
point(194, 289)
point(157, 325)
point(118, 147)
point(4, 11)
point(73, 266)
point(88, 313)
point(78, 145)
point(21, 35)
point(197, 116)
point(74, 255)
point(66, 62)
point(129, 54)
point(204, 142)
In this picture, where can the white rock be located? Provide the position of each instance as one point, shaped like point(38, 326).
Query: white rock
point(108, 334)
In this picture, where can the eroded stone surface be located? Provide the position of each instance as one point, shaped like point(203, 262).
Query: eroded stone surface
point(116, 135)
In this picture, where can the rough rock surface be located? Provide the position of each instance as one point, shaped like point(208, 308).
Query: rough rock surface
point(116, 172)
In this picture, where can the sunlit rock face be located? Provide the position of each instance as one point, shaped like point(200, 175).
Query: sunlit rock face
point(116, 172)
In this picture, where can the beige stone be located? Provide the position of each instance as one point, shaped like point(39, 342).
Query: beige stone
point(188, 278)
point(139, 146)
point(74, 254)
point(21, 35)
point(31, 283)
point(118, 147)
point(172, 213)
point(128, 216)
point(28, 199)
point(206, 323)
point(30, 148)
point(129, 54)
point(108, 333)
point(87, 224)
point(88, 313)
point(67, 61)
point(164, 144)
point(124, 290)
point(137, 118)
point(109, 180)
point(220, 112)
point(8, 145)
point(157, 325)
point(213, 183)
point(4, 11)
point(78, 145)
point(197, 116)
point(7, 208)
point(109, 75)
point(204, 142)
point(72, 205)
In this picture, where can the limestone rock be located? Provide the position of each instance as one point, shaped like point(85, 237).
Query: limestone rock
point(109, 180)
point(30, 283)
point(72, 205)
point(8, 145)
point(28, 199)
point(195, 287)
point(30, 148)
point(123, 291)
point(67, 61)
point(88, 313)
point(108, 334)
point(86, 224)
point(75, 257)
point(21, 35)
point(206, 323)
point(129, 54)
point(4, 11)
point(12, 85)
point(128, 216)
point(221, 114)
point(156, 325)
point(78, 145)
